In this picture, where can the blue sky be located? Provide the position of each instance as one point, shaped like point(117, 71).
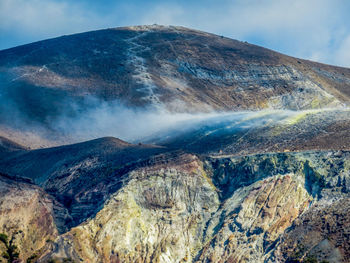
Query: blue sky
point(313, 29)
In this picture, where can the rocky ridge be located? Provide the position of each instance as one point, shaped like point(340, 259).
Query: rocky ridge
point(230, 209)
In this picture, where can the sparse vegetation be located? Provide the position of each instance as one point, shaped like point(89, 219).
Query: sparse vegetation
point(11, 251)
point(65, 260)
point(310, 259)
point(31, 258)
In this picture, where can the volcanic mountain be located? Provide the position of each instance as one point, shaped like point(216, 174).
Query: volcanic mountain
point(237, 153)
point(172, 69)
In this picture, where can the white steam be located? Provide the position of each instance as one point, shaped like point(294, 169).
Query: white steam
point(143, 125)
point(126, 123)
point(94, 118)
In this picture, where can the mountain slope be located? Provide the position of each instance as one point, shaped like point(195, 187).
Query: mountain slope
point(172, 68)
point(155, 64)
point(77, 175)
point(7, 146)
point(119, 202)
point(243, 133)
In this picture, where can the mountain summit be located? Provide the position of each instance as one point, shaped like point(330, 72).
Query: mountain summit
point(182, 69)
point(174, 69)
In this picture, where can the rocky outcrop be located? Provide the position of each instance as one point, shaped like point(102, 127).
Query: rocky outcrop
point(320, 234)
point(112, 201)
point(253, 218)
point(80, 176)
point(176, 207)
point(28, 216)
point(275, 204)
point(158, 215)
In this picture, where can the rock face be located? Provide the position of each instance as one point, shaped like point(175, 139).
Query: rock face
point(321, 233)
point(227, 210)
point(253, 218)
point(266, 196)
point(27, 216)
point(179, 207)
point(80, 176)
point(158, 216)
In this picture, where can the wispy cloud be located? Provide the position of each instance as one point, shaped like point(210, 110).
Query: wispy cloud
point(313, 29)
point(42, 18)
point(342, 54)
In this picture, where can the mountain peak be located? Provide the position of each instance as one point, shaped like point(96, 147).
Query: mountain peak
point(174, 69)
point(151, 27)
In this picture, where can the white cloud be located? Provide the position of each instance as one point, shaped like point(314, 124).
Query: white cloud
point(311, 29)
point(342, 55)
point(164, 15)
point(44, 18)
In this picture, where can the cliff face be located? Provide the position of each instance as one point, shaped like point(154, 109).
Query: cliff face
point(159, 215)
point(28, 216)
point(321, 233)
point(280, 209)
point(177, 207)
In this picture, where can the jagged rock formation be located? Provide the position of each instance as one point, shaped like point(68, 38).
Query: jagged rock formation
point(176, 207)
point(159, 214)
point(321, 233)
point(27, 215)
